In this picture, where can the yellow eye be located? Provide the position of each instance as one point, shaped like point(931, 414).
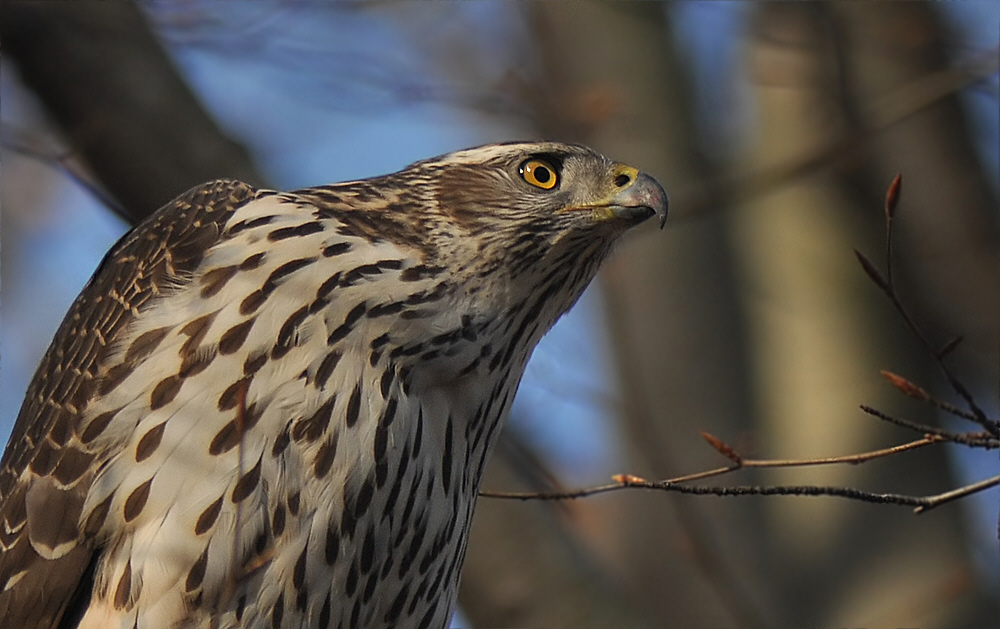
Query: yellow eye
point(539, 173)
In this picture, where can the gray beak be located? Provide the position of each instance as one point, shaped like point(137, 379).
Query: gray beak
point(643, 198)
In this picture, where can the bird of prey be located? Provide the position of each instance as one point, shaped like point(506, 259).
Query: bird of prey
point(273, 409)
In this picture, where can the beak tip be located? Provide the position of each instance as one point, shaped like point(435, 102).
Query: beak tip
point(641, 200)
point(653, 195)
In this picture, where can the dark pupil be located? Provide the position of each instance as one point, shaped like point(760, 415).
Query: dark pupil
point(542, 174)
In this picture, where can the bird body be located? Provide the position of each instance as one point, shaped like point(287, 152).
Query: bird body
point(273, 409)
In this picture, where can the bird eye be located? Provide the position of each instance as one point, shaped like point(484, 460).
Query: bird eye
point(539, 173)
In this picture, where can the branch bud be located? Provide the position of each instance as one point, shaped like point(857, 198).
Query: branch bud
point(892, 196)
point(906, 386)
point(723, 448)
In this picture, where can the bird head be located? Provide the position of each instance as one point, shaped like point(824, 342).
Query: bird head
point(531, 213)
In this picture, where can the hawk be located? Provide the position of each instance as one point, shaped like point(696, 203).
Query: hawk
point(273, 409)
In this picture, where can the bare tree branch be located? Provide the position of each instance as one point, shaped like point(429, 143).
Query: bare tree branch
point(121, 103)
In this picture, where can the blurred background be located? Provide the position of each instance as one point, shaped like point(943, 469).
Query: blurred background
point(775, 129)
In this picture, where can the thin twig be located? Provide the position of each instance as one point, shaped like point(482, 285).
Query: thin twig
point(676, 484)
point(921, 503)
point(975, 439)
point(955, 494)
point(921, 394)
point(887, 286)
point(851, 459)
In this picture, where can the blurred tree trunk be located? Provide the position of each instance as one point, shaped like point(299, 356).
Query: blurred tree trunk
point(820, 332)
point(949, 234)
point(612, 81)
point(119, 101)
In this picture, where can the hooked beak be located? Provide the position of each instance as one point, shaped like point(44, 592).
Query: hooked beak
point(643, 198)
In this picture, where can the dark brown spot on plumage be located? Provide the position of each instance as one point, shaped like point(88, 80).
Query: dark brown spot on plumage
point(234, 394)
point(114, 376)
point(419, 272)
point(356, 614)
point(336, 249)
point(294, 231)
point(299, 572)
point(446, 337)
point(246, 484)
point(283, 271)
point(364, 498)
point(233, 338)
point(324, 613)
point(472, 366)
point(380, 341)
point(407, 350)
point(349, 522)
point(252, 262)
point(381, 441)
point(197, 572)
point(195, 362)
point(387, 309)
point(397, 484)
point(368, 551)
point(278, 612)
point(417, 596)
point(165, 391)
point(349, 320)
point(324, 290)
point(278, 521)
point(287, 333)
point(97, 517)
point(332, 547)
point(293, 503)
point(281, 442)
point(418, 433)
point(144, 345)
point(410, 315)
point(356, 274)
point(243, 225)
point(137, 500)
point(254, 363)
point(252, 302)
point(149, 442)
point(396, 608)
point(226, 439)
point(354, 406)
point(312, 428)
point(430, 355)
point(446, 458)
point(373, 580)
point(427, 296)
point(411, 553)
point(213, 281)
point(326, 455)
point(381, 474)
point(385, 382)
point(124, 588)
point(208, 517)
point(260, 544)
point(196, 331)
point(351, 583)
